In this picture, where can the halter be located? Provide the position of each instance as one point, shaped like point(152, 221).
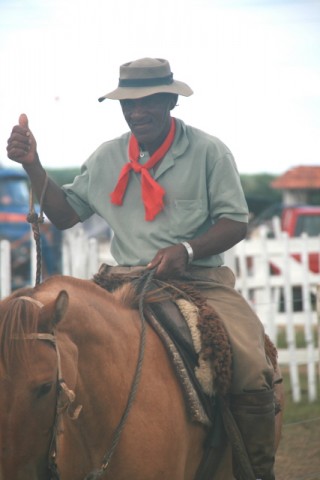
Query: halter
point(142, 286)
point(65, 396)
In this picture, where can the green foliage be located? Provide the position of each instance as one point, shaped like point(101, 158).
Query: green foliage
point(258, 191)
point(299, 337)
point(259, 185)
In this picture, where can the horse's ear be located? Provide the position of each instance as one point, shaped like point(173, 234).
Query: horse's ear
point(52, 313)
point(61, 306)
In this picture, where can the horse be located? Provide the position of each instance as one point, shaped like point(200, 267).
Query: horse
point(68, 359)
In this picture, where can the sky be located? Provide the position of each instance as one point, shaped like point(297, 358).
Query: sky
point(254, 66)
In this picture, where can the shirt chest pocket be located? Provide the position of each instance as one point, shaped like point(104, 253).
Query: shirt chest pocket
point(186, 217)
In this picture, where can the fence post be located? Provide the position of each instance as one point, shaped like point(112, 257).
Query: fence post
point(290, 329)
point(318, 315)
point(306, 302)
point(5, 268)
point(268, 296)
point(93, 260)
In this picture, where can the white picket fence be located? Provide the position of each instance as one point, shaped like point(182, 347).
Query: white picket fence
point(271, 296)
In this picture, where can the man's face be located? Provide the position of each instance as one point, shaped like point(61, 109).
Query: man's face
point(149, 118)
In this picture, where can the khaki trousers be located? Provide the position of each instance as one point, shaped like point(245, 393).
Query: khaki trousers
point(252, 370)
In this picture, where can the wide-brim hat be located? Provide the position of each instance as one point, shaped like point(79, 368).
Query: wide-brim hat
point(145, 77)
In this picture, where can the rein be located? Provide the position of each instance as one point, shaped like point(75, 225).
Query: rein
point(143, 284)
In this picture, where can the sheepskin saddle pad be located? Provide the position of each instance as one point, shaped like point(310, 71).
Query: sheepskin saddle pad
point(192, 333)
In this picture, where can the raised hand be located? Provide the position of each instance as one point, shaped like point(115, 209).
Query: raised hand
point(22, 146)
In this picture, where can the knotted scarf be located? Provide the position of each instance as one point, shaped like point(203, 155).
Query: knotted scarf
point(152, 192)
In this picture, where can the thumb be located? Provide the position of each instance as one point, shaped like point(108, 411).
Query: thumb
point(23, 120)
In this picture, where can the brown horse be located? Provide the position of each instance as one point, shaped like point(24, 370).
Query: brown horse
point(69, 353)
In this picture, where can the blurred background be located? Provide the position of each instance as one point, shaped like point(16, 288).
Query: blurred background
point(254, 66)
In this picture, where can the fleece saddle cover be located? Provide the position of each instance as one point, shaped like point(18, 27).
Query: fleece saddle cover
point(192, 332)
point(168, 322)
point(197, 344)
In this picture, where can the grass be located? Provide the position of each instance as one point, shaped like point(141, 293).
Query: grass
point(298, 455)
point(304, 410)
point(300, 337)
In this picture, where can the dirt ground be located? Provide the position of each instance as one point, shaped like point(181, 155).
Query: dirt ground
point(298, 456)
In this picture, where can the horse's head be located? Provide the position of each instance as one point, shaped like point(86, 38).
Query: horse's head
point(28, 384)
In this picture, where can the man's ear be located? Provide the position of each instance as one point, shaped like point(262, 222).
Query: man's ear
point(174, 101)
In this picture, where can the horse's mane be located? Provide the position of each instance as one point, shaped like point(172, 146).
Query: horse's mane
point(18, 317)
point(126, 295)
point(126, 290)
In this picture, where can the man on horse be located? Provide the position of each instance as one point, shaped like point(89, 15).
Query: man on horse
point(173, 198)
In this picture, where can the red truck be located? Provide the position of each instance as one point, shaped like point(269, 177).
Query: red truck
point(303, 219)
point(293, 219)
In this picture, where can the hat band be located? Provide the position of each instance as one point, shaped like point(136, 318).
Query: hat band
point(146, 82)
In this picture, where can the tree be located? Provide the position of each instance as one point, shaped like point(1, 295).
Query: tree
point(258, 192)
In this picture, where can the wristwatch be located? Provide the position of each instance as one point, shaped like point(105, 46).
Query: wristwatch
point(189, 249)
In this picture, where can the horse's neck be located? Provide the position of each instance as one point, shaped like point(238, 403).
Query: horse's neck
point(99, 355)
point(97, 336)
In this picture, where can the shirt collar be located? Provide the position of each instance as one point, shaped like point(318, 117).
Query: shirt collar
point(177, 149)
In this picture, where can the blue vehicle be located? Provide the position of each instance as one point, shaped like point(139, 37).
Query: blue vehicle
point(14, 208)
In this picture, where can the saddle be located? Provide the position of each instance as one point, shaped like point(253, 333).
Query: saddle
point(190, 330)
point(171, 326)
point(198, 347)
point(165, 306)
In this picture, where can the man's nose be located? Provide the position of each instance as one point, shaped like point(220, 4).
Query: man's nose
point(138, 104)
point(138, 109)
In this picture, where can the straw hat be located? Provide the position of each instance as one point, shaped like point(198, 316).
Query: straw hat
point(144, 77)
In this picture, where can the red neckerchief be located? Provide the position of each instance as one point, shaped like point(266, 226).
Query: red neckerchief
point(152, 192)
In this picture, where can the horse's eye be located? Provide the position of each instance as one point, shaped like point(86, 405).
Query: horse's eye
point(43, 390)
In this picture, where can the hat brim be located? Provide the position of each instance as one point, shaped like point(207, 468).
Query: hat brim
point(124, 93)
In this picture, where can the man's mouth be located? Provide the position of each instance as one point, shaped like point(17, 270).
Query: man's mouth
point(138, 125)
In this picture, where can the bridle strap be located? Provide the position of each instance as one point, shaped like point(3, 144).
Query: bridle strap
point(31, 300)
point(62, 388)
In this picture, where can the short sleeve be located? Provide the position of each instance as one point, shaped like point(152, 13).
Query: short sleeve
point(77, 194)
point(226, 197)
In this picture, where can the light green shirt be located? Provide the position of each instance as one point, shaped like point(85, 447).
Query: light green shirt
point(201, 182)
